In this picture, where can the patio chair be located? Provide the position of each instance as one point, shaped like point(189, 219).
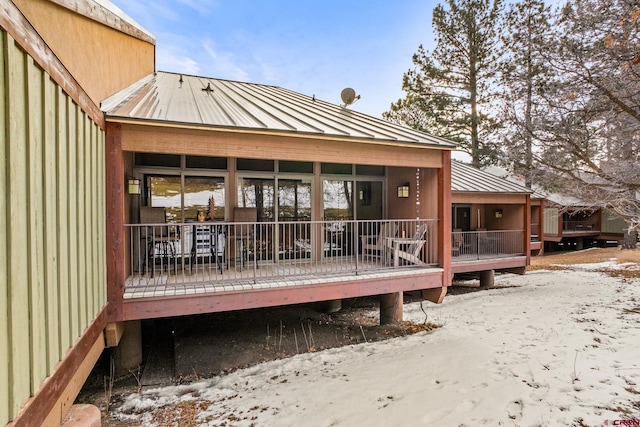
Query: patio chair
point(243, 234)
point(457, 242)
point(408, 249)
point(159, 240)
point(208, 240)
point(374, 245)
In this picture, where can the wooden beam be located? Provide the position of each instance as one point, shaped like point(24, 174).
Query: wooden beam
point(489, 198)
point(98, 13)
point(444, 214)
point(116, 250)
point(180, 305)
point(13, 21)
point(66, 380)
point(435, 295)
point(489, 264)
point(112, 333)
point(290, 146)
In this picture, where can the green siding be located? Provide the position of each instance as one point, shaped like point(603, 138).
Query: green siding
point(51, 230)
point(17, 243)
point(551, 216)
point(612, 223)
point(52, 226)
point(4, 231)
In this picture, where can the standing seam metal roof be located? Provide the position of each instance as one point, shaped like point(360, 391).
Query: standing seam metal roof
point(468, 179)
point(161, 97)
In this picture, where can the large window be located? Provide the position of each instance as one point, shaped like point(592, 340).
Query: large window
point(206, 194)
point(182, 203)
point(258, 193)
point(337, 199)
point(294, 200)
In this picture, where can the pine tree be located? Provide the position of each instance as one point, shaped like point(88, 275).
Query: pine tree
point(449, 90)
point(589, 141)
point(524, 80)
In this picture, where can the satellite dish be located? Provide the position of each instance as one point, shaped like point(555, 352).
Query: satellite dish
point(348, 96)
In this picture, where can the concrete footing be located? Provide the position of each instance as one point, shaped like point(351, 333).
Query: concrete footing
point(391, 308)
point(127, 355)
point(487, 278)
point(83, 416)
point(332, 306)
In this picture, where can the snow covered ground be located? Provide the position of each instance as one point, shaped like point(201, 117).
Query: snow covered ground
point(554, 348)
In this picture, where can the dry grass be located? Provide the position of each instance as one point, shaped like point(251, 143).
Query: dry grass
point(559, 261)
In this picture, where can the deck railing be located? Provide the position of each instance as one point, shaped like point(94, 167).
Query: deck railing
point(472, 245)
point(237, 252)
point(579, 226)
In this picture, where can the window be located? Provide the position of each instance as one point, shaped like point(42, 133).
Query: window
point(182, 204)
point(201, 162)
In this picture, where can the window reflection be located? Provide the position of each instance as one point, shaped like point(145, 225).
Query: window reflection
point(258, 193)
point(206, 194)
point(200, 193)
point(164, 191)
point(294, 200)
point(337, 199)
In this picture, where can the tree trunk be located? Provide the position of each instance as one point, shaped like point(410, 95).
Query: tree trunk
point(630, 239)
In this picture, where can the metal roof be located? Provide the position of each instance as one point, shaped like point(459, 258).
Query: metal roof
point(468, 179)
point(184, 99)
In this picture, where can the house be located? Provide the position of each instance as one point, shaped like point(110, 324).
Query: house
point(305, 201)
point(491, 223)
point(54, 305)
point(572, 223)
point(108, 163)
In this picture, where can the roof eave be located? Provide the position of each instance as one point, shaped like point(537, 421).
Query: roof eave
point(284, 133)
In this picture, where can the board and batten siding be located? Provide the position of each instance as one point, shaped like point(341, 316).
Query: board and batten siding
point(551, 217)
point(612, 223)
point(52, 226)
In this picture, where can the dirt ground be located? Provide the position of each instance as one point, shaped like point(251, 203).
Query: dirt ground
point(197, 347)
point(182, 350)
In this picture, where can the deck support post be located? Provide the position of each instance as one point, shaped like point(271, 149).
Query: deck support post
point(517, 270)
point(487, 278)
point(435, 295)
point(391, 308)
point(332, 306)
point(128, 354)
point(579, 244)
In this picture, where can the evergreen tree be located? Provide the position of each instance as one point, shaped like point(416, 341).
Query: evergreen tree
point(589, 140)
point(449, 90)
point(524, 81)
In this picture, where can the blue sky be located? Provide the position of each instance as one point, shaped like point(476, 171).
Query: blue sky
point(312, 47)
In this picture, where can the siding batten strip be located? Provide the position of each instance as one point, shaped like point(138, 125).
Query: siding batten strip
point(62, 206)
point(36, 216)
point(50, 184)
point(72, 200)
point(19, 369)
point(4, 233)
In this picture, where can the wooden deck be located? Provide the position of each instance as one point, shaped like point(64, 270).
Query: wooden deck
point(467, 264)
point(170, 294)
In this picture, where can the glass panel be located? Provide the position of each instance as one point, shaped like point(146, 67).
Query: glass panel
point(369, 170)
point(164, 191)
point(149, 159)
point(338, 199)
point(205, 194)
point(206, 162)
point(294, 200)
point(369, 200)
point(296, 167)
point(336, 169)
point(255, 165)
point(258, 193)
